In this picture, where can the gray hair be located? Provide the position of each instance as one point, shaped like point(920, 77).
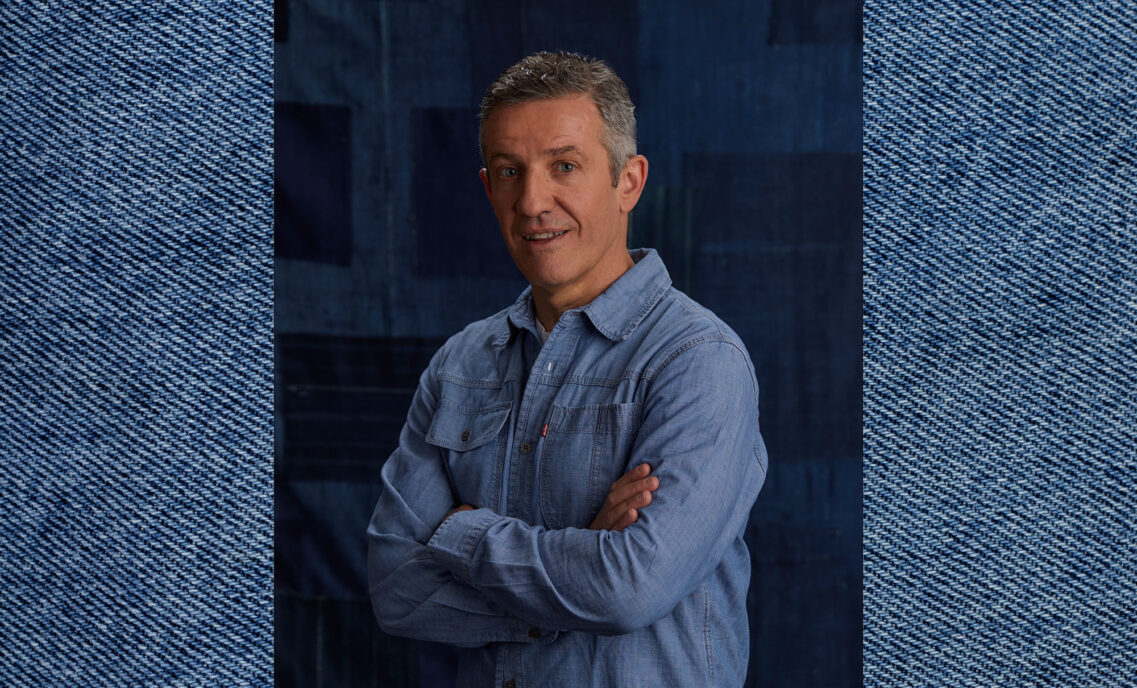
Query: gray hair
point(546, 75)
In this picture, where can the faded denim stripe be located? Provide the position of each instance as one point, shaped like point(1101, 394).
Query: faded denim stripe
point(1000, 343)
point(136, 344)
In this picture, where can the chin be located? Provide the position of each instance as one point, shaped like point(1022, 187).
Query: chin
point(543, 281)
point(545, 276)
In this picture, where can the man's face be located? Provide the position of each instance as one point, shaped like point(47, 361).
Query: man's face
point(550, 185)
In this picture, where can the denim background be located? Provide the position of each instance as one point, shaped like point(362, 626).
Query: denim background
point(136, 344)
point(135, 152)
point(1000, 341)
point(750, 113)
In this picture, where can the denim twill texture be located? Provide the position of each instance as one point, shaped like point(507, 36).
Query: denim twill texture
point(136, 344)
point(641, 374)
point(1000, 343)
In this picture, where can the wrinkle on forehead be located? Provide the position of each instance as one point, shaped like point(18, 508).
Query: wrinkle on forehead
point(557, 125)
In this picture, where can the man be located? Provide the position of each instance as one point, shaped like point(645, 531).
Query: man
point(570, 491)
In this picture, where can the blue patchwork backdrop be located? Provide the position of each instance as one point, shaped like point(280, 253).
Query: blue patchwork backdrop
point(750, 113)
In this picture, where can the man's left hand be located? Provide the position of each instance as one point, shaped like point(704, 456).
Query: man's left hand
point(631, 492)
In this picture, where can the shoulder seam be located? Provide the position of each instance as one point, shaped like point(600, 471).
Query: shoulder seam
point(689, 344)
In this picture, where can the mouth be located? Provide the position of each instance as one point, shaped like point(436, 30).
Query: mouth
point(543, 236)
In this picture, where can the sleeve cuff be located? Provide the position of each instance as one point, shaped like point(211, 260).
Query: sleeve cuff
point(453, 545)
point(526, 633)
point(455, 541)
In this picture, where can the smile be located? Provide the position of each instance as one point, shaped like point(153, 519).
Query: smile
point(540, 236)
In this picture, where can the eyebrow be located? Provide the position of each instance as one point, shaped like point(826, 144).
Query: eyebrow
point(555, 152)
point(547, 153)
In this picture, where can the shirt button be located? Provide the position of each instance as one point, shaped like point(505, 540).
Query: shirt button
point(534, 632)
point(466, 436)
point(526, 447)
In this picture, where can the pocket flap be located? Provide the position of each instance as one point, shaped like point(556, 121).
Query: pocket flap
point(460, 429)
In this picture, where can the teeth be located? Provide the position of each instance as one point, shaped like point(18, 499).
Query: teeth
point(543, 235)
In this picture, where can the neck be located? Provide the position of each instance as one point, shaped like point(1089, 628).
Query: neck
point(547, 315)
point(549, 303)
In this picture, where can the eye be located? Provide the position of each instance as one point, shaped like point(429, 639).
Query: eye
point(507, 172)
point(565, 167)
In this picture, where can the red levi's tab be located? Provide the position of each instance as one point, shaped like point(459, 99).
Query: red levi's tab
point(545, 430)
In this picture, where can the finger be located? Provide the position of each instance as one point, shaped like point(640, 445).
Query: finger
point(619, 493)
point(613, 512)
point(628, 512)
point(636, 501)
point(628, 518)
point(618, 504)
point(638, 473)
point(630, 490)
point(609, 517)
point(624, 495)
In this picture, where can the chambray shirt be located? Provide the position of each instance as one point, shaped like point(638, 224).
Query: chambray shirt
point(534, 436)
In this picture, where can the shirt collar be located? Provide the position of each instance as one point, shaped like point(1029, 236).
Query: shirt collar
point(615, 313)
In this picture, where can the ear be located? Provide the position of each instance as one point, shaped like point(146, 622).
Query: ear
point(486, 183)
point(631, 182)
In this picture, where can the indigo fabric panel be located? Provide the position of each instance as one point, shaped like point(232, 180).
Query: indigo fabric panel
point(750, 114)
point(1000, 343)
point(136, 320)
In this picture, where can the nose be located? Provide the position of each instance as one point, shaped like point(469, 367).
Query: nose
point(536, 195)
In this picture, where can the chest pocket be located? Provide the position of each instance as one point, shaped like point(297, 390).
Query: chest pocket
point(586, 449)
point(472, 440)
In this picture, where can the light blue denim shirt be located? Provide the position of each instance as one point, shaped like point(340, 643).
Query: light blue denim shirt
point(534, 436)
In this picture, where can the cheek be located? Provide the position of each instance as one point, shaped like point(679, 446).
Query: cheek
point(502, 211)
point(600, 203)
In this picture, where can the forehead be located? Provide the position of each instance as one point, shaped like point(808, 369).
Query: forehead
point(554, 122)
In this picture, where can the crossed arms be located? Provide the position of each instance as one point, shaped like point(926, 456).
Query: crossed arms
point(469, 576)
point(630, 492)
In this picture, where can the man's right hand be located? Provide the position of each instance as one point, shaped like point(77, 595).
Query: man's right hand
point(631, 492)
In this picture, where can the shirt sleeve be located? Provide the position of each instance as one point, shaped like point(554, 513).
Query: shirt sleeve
point(412, 593)
point(700, 435)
